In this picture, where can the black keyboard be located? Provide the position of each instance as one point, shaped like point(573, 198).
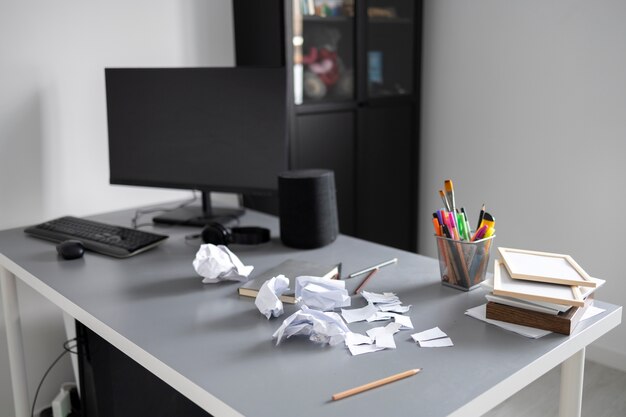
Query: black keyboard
point(107, 239)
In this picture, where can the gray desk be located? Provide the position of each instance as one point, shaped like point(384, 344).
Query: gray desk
point(216, 348)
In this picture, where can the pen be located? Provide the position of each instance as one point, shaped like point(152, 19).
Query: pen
point(375, 384)
point(380, 265)
point(450, 194)
point(367, 278)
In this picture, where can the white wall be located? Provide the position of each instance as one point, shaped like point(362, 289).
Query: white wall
point(53, 138)
point(524, 107)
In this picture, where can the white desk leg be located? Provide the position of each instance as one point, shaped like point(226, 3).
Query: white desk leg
point(14, 339)
point(572, 373)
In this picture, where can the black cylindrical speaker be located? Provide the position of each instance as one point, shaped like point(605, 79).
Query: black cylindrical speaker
point(307, 208)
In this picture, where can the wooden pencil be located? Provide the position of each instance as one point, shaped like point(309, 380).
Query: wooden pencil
point(375, 384)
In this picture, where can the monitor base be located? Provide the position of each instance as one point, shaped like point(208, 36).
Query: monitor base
point(196, 216)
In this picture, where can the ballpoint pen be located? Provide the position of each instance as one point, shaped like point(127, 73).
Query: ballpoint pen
point(380, 265)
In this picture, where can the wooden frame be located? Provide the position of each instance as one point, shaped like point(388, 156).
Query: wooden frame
point(544, 267)
point(503, 284)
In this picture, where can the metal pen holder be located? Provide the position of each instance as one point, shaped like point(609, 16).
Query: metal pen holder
point(462, 264)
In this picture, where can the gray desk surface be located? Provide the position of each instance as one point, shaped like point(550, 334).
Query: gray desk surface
point(216, 348)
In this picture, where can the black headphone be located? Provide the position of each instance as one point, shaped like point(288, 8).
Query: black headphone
point(217, 234)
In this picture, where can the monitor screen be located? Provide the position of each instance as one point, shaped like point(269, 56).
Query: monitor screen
point(207, 129)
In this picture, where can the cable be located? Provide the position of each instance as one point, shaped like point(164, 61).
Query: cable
point(66, 349)
point(139, 213)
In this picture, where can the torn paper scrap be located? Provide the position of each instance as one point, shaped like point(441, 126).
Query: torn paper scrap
point(267, 300)
point(391, 328)
point(434, 337)
point(355, 339)
point(385, 340)
point(322, 293)
point(430, 334)
point(394, 308)
point(320, 327)
point(444, 342)
point(218, 263)
point(361, 349)
point(386, 297)
point(359, 314)
point(405, 321)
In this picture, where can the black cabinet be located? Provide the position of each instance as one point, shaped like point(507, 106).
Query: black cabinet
point(353, 97)
point(326, 140)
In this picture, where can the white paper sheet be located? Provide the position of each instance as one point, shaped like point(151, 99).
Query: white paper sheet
point(480, 313)
point(592, 311)
point(267, 300)
point(322, 293)
point(218, 263)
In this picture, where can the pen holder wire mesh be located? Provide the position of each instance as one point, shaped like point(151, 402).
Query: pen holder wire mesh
point(463, 265)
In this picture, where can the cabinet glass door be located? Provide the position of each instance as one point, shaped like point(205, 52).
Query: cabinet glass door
point(323, 48)
point(390, 47)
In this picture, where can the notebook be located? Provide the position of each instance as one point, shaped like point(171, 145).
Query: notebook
point(291, 268)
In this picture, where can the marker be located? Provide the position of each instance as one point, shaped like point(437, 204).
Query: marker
point(454, 231)
point(460, 222)
point(445, 200)
point(490, 231)
point(450, 194)
point(480, 233)
point(489, 220)
point(437, 227)
point(480, 216)
point(440, 216)
point(467, 225)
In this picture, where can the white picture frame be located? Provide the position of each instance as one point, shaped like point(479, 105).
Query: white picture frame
point(554, 268)
point(505, 285)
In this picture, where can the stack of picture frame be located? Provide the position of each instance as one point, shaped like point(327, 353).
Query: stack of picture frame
point(544, 290)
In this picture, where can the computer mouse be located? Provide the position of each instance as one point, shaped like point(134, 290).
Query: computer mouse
point(71, 249)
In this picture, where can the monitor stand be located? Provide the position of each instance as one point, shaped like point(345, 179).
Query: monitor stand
point(199, 216)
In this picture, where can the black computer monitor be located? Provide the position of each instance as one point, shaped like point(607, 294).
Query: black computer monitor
point(207, 129)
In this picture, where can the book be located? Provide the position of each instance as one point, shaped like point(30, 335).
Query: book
point(291, 268)
point(563, 322)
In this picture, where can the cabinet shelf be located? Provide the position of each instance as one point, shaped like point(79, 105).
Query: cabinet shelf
point(328, 19)
point(390, 20)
